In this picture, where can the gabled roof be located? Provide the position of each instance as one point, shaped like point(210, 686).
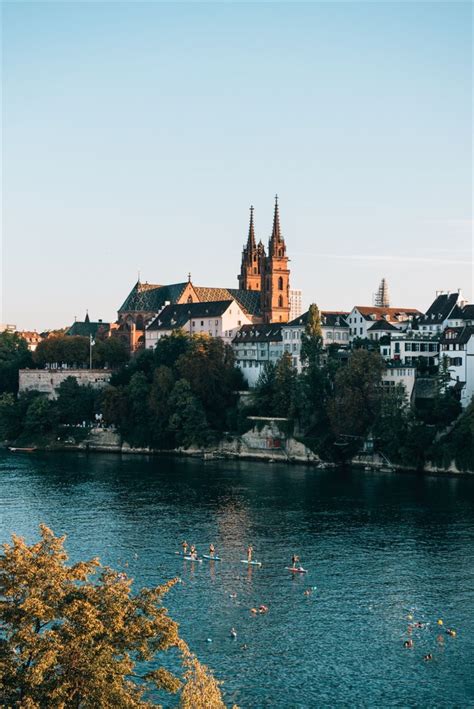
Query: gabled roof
point(87, 328)
point(440, 309)
point(150, 298)
point(382, 325)
point(175, 316)
point(329, 318)
point(458, 335)
point(268, 332)
point(468, 312)
point(373, 312)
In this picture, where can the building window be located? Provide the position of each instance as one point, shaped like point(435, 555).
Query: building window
point(280, 283)
point(280, 302)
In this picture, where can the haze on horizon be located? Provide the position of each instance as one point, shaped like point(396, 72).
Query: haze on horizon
point(136, 136)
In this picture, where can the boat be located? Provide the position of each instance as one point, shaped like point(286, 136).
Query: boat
point(251, 563)
point(296, 569)
point(211, 558)
point(21, 450)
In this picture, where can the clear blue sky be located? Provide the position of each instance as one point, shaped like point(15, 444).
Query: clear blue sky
point(136, 135)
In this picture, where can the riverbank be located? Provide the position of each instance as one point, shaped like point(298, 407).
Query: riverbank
point(248, 447)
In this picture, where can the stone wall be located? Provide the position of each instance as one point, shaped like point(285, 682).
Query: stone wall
point(47, 381)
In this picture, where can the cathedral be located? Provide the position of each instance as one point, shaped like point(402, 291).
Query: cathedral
point(267, 273)
point(263, 291)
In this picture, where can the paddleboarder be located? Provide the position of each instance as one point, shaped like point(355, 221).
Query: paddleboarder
point(184, 546)
point(249, 553)
point(212, 550)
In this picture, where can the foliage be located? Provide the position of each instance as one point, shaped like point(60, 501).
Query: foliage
point(109, 353)
point(355, 404)
point(312, 337)
point(188, 420)
point(76, 636)
point(75, 402)
point(63, 350)
point(14, 355)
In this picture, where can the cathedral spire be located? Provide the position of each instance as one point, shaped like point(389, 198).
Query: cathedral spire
point(276, 233)
point(251, 239)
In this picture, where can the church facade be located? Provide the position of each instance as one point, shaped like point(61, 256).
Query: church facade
point(263, 292)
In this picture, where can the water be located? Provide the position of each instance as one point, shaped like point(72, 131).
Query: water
point(376, 545)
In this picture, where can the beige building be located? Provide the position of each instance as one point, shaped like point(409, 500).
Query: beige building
point(47, 381)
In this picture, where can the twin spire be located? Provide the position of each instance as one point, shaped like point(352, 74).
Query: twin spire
point(276, 231)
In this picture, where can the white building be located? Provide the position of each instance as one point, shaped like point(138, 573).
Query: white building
point(362, 317)
point(408, 348)
point(399, 373)
point(334, 328)
point(217, 319)
point(457, 344)
point(447, 310)
point(254, 346)
point(296, 303)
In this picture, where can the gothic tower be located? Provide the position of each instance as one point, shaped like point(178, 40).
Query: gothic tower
point(275, 276)
point(250, 277)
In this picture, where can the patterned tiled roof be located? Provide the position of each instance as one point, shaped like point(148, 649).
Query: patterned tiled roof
point(373, 312)
point(249, 300)
point(150, 298)
point(329, 318)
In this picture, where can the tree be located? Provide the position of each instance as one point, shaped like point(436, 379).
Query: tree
point(355, 403)
point(10, 423)
point(63, 349)
point(188, 419)
point(392, 425)
point(14, 355)
point(41, 416)
point(161, 388)
point(264, 391)
point(75, 635)
point(75, 402)
point(312, 337)
point(284, 398)
point(111, 353)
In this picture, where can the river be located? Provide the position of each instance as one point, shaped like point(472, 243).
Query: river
point(378, 546)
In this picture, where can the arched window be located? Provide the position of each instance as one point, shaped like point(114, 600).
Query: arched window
point(255, 269)
point(280, 283)
point(280, 301)
point(190, 298)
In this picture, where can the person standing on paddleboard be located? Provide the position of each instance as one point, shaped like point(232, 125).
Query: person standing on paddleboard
point(212, 549)
point(294, 561)
point(193, 553)
point(249, 553)
point(185, 547)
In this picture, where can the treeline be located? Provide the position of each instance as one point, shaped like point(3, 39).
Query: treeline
point(58, 349)
point(184, 393)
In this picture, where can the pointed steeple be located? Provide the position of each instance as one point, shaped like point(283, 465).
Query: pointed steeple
point(276, 233)
point(86, 319)
point(251, 239)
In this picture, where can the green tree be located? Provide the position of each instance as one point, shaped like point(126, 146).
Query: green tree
point(41, 416)
point(312, 337)
point(137, 425)
point(284, 398)
point(160, 411)
point(63, 350)
point(10, 421)
point(114, 406)
point(355, 403)
point(169, 349)
point(392, 425)
point(14, 355)
point(76, 636)
point(264, 392)
point(110, 353)
point(75, 402)
point(187, 419)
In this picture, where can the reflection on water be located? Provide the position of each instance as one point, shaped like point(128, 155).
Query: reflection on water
point(376, 546)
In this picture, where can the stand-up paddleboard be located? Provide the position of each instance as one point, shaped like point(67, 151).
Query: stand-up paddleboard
point(251, 563)
point(296, 569)
point(211, 558)
point(191, 558)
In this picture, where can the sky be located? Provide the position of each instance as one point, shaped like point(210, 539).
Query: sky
point(135, 136)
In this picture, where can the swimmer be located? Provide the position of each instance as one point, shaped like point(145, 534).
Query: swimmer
point(307, 592)
point(253, 610)
point(428, 657)
point(244, 646)
point(233, 633)
point(249, 553)
point(184, 546)
point(232, 595)
point(262, 609)
point(408, 643)
point(409, 617)
point(451, 632)
point(212, 550)
point(440, 622)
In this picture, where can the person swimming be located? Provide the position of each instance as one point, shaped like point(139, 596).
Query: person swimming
point(408, 643)
point(428, 657)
